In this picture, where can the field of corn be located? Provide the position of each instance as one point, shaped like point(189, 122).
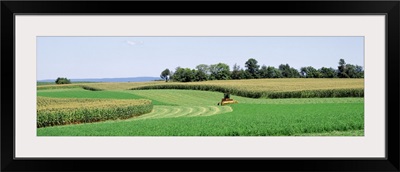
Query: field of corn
point(62, 111)
point(187, 109)
point(253, 88)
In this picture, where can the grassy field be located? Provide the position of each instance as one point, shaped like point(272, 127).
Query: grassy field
point(195, 113)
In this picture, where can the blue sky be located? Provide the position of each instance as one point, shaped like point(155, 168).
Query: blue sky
point(114, 57)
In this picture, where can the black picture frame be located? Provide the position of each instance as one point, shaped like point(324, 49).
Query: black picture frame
point(10, 8)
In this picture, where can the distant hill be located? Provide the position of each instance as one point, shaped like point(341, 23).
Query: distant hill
point(132, 79)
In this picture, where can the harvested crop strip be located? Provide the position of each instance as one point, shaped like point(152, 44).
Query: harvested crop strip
point(66, 86)
point(56, 111)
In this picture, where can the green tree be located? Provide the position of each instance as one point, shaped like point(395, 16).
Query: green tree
point(342, 71)
point(203, 68)
point(165, 74)
point(342, 62)
point(328, 72)
point(285, 70)
point(252, 67)
point(354, 71)
point(171, 76)
point(310, 72)
point(351, 71)
point(236, 73)
point(263, 72)
point(295, 73)
point(184, 75)
point(61, 80)
point(360, 71)
point(289, 72)
point(219, 71)
point(303, 72)
point(246, 74)
point(273, 72)
point(176, 76)
point(200, 75)
point(202, 72)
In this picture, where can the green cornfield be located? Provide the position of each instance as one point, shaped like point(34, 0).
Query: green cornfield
point(61, 111)
point(359, 92)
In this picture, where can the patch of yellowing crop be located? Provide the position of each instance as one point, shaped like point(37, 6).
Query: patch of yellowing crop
point(45, 103)
point(284, 84)
point(292, 84)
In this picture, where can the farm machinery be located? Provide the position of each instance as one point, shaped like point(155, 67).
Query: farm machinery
point(227, 100)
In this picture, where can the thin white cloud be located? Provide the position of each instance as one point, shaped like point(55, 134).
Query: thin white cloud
point(133, 43)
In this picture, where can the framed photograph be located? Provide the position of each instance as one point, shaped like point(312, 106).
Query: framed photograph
point(229, 85)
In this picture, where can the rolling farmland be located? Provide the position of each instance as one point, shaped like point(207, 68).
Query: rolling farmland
point(276, 85)
point(191, 112)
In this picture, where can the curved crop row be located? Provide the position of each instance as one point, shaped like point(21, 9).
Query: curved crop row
point(184, 111)
point(244, 93)
point(55, 111)
point(67, 86)
point(356, 92)
point(318, 93)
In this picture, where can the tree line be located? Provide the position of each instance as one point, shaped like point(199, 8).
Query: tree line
point(252, 70)
point(61, 80)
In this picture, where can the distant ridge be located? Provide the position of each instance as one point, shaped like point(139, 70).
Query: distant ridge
point(131, 79)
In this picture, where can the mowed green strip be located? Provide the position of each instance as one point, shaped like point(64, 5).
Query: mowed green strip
point(195, 97)
point(184, 111)
point(189, 103)
point(180, 97)
point(251, 117)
